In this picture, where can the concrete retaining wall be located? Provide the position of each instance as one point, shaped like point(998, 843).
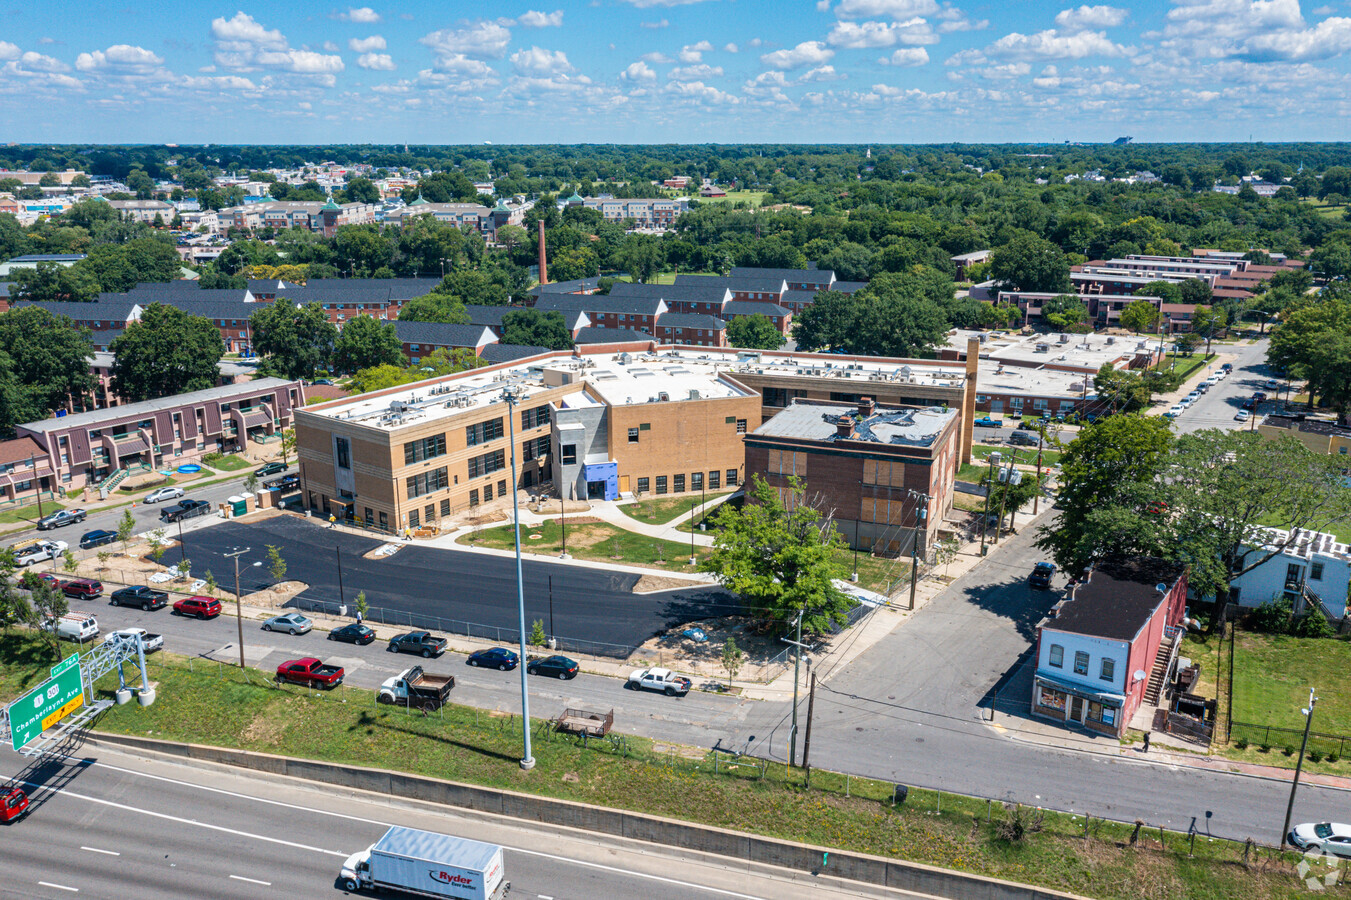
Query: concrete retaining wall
point(635, 826)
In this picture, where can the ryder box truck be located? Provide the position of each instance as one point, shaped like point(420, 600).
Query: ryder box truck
point(429, 865)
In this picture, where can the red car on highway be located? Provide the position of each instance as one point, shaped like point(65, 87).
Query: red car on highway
point(13, 804)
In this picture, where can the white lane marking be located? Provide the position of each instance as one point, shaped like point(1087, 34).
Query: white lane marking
point(59, 887)
point(322, 812)
point(251, 880)
point(97, 850)
point(544, 897)
point(206, 825)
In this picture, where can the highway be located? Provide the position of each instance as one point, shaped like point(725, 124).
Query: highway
point(108, 824)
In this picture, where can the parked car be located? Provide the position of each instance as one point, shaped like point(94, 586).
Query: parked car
point(988, 422)
point(185, 509)
point(28, 552)
point(1041, 575)
point(1242, 416)
point(428, 645)
point(272, 468)
point(144, 597)
point(151, 642)
point(1250, 403)
point(1174, 411)
point(13, 804)
point(553, 666)
point(99, 538)
point(83, 588)
point(198, 607)
point(1260, 396)
point(1331, 837)
point(310, 672)
point(76, 626)
point(164, 493)
point(416, 689)
point(663, 680)
point(1272, 385)
point(497, 658)
point(356, 633)
point(291, 623)
point(60, 518)
point(285, 484)
point(1023, 438)
point(1227, 367)
point(30, 580)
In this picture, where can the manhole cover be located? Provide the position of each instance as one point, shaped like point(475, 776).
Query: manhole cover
point(919, 740)
point(536, 537)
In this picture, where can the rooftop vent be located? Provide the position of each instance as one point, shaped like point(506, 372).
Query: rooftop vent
point(844, 427)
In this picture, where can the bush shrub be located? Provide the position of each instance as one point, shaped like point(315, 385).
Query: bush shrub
point(1265, 748)
point(1241, 743)
point(1313, 625)
point(1332, 757)
point(1272, 617)
point(1315, 756)
point(1288, 750)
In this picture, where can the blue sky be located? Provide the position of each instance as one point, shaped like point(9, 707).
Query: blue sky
point(691, 71)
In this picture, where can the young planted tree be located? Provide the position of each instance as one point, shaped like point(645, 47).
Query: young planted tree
point(104, 556)
point(125, 526)
point(361, 604)
point(276, 566)
point(732, 659)
point(288, 446)
point(69, 563)
point(537, 636)
point(157, 544)
point(946, 553)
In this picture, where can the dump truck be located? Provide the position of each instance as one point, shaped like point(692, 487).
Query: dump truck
point(416, 689)
point(429, 865)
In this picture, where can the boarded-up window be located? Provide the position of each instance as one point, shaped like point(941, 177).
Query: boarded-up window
point(785, 462)
point(884, 472)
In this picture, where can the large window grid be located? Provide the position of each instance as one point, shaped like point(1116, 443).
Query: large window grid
point(487, 463)
point(482, 432)
point(534, 418)
point(425, 448)
point(426, 482)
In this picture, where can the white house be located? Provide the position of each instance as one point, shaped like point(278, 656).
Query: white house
point(1308, 560)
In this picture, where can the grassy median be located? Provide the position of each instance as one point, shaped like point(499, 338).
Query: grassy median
point(205, 702)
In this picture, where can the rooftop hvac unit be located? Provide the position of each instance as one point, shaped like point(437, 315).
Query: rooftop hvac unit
point(1110, 340)
point(694, 395)
point(1064, 339)
point(663, 396)
point(397, 406)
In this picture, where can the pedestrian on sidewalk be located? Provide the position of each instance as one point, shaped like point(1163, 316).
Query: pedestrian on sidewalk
point(332, 521)
point(1146, 750)
point(359, 617)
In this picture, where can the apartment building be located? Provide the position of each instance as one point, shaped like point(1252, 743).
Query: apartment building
point(321, 217)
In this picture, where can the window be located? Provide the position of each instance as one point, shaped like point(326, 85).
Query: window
point(370, 516)
point(536, 448)
point(714, 480)
point(426, 448)
point(680, 484)
point(697, 481)
point(344, 451)
point(426, 482)
point(1057, 656)
point(482, 432)
point(445, 508)
point(1316, 571)
point(569, 454)
point(473, 497)
point(642, 485)
point(661, 484)
point(1080, 662)
point(487, 464)
point(487, 492)
point(502, 488)
point(1293, 572)
point(740, 426)
point(535, 418)
point(414, 520)
point(731, 477)
point(1108, 672)
point(384, 521)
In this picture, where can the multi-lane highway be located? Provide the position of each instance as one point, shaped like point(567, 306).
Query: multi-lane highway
point(108, 824)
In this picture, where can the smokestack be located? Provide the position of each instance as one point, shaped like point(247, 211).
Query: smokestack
point(844, 427)
point(543, 265)
point(866, 407)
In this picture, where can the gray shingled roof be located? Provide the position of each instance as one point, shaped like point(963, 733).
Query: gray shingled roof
point(492, 315)
point(755, 307)
point(567, 287)
point(272, 285)
point(848, 287)
point(610, 336)
point(211, 308)
point(500, 353)
point(801, 298)
point(394, 288)
point(103, 311)
point(147, 408)
point(801, 276)
point(443, 334)
point(643, 306)
point(707, 290)
point(690, 320)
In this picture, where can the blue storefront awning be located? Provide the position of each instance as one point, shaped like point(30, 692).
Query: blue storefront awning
point(1106, 698)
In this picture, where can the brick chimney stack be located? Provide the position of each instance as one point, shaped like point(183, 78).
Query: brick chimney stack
point(866, 407)
point(543, 264)
point(844, 427)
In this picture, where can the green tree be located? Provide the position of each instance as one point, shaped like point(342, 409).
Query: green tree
point(536, 328)
point(1113, 465)
point(364, 342)
point(158, 544)
point(1063, 311)
point(1207, 320)
point(288, 446)
point(125, 526)
point(826, 323)
point(1140, 315)
point(276, 566)
point(297, 341)
point(732, 659)
point(166, 352)
point(537, 636)
point(46, 604)
point(1031, 263)
point(120, 267)
point(45, 362)
point(781, 555)
point(755, 332)
point(1314, 343)
point(362, 190)
point(640, 255)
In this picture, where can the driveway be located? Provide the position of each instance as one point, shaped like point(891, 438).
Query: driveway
point(595, 610)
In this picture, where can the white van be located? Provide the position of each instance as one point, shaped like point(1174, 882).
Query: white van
point(77, 626)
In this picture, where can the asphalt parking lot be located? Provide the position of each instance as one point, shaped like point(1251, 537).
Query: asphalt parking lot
point(589, 605)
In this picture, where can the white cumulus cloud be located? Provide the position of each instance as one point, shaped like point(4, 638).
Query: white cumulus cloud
point(886, 9)
point(243, 43)
point(362, 15)
point(367, 45)
point(538, 61)
point(638, 72)
point(1090, 17)
point(379, 62)
point(693, 53)
point(699, 72)
point(807, 53)
point(476, 40)
point(907, 56)
point(118, 56)
point(536, 19)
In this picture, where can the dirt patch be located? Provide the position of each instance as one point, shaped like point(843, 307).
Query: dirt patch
point(648, 583)
point(264, 729)
point(762, 653)
point(276, 596)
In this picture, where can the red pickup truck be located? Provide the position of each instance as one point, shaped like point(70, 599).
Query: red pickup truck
point(310, 672)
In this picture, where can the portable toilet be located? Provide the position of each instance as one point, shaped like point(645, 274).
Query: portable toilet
point(239, 505)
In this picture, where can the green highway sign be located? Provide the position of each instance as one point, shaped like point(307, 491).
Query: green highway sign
point(47, 704)
point(68, 662)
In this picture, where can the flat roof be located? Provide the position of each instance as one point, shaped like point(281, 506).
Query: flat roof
point(1082, 351)
point(815, 421)
point(150, 407)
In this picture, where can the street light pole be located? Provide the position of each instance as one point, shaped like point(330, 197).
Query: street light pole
point(511, 395)
point(985, 520)
point(182, 551)
point(239, 602)
point(563, 512)
point(693, 561)
point(1299, 766)
point(342, 595)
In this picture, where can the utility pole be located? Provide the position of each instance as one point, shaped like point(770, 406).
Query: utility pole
point(1299, 767)
point(985, 520)
point(37, 482)
point(797, 667)
point(511, 395)
point(563, 513)
point(552, 633)
point(239, 602)
point(342, 595)
point(1041, 439)
point(921, 524)
point(807, 740)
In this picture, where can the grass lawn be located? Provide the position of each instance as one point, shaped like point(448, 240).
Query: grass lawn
point(1025, 455)
point(230, 463)
point(221, 706)
point(660, 510)
point(594, 540)
point(754, 198)
point(1184, 366)
point(13, 515)
point(1328, 210)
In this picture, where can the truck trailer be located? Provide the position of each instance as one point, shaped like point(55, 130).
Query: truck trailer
point(428, 865)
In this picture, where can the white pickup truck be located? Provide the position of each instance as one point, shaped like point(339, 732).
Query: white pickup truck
point(152, 642)
point(663, 680)
point(33, 551)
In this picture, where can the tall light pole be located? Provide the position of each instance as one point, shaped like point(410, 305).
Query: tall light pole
point(1299, 766)
point(239, 602)
point(511, 394)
